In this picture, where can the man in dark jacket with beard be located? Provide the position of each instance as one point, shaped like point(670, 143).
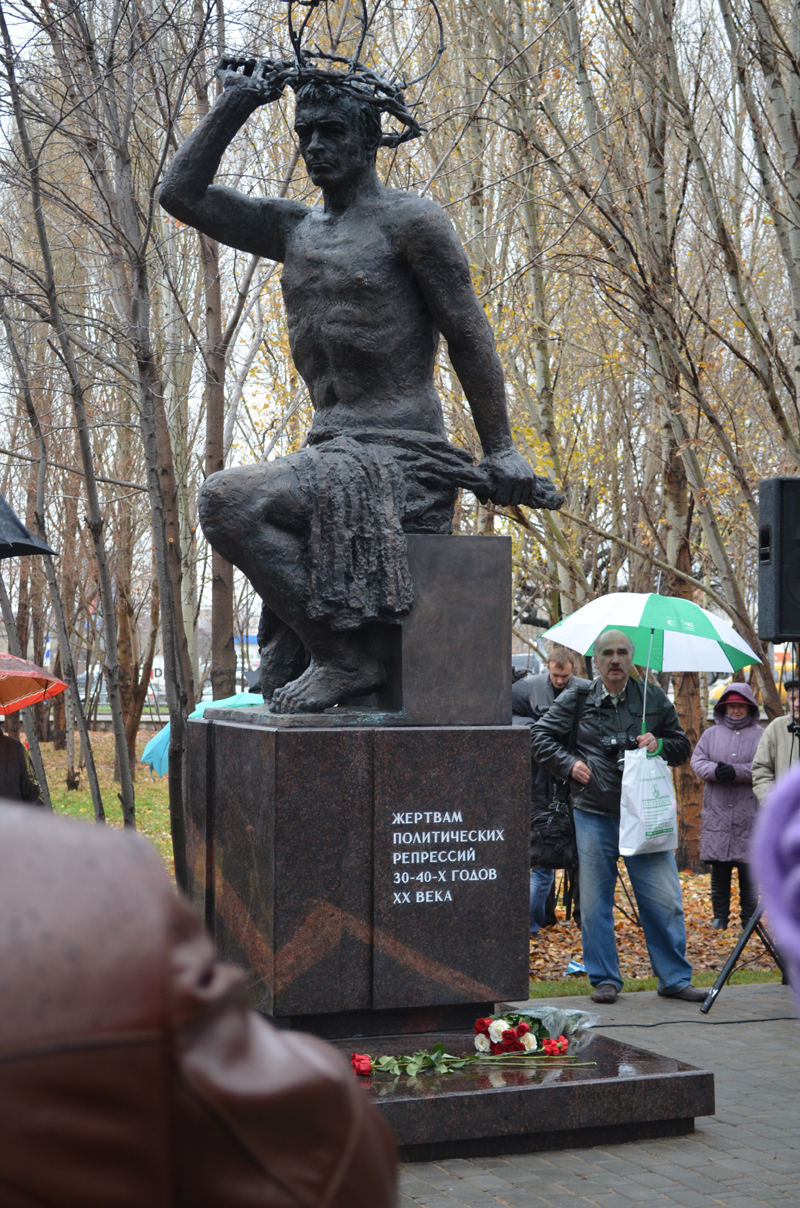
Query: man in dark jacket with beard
point(610, 724)
point(530, 700)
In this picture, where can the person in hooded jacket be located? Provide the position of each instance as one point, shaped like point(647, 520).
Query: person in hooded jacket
point(723, 758)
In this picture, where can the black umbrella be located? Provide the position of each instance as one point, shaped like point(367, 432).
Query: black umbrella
point(15, 540)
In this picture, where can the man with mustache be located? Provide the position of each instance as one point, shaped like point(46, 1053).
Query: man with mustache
point(610, 724)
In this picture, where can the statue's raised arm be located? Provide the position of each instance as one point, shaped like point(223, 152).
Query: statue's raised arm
point(252, 224)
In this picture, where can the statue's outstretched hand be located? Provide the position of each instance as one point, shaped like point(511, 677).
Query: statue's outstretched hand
point(515, 481)
point(265, 78)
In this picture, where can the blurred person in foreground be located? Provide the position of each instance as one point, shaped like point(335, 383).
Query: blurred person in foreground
point(530, 700)
point(134, 1073)
point(610, 724)
point(775, 858)
point(723, 759)
point(779, 747)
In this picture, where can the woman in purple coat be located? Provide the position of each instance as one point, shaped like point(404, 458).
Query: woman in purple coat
point(722, 758)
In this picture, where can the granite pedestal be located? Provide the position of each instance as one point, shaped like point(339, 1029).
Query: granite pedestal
point(355, 872)
point(350, 860)
point(449, 662)
point(368, 868)
point(622, 1093)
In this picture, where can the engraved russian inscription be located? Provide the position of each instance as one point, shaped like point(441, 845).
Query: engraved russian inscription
point(415, 849)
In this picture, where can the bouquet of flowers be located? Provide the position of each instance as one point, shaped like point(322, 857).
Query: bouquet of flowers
point(504, 1034)
point(508, 1040)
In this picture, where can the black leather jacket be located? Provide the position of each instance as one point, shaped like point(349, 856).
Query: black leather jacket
point(601, 719)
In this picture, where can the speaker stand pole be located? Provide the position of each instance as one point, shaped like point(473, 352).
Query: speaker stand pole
point(756, 925)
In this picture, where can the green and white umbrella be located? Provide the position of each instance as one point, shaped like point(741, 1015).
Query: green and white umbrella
point(669, 634)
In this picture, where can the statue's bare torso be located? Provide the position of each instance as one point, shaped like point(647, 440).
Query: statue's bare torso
point(367, 355)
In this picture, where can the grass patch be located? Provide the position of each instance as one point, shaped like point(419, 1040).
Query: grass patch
point(575, 986)
point(152, 793)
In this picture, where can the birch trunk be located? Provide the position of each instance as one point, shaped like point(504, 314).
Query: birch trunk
point(95, 521)
point(74, 705)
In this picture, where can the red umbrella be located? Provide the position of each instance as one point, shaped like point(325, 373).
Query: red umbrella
point(23, 683)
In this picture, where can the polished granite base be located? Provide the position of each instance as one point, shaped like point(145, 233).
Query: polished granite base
point(351, 872)
point(627, 1094)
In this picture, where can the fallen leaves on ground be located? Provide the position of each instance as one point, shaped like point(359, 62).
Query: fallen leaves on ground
point(554, 947)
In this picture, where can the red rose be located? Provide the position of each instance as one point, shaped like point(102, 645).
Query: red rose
point(522, 1028)
point(482, 1025)
point(362, 1064)
point(498, 1048)
point(509, 1036)
point(517, 1047)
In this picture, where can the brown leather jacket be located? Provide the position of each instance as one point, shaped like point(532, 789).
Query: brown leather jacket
point(132, 1072)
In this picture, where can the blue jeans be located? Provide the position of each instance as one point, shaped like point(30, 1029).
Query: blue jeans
point(541, 883)
point(657, 889)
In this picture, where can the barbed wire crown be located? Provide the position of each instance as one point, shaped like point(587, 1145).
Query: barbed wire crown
point(353, 77)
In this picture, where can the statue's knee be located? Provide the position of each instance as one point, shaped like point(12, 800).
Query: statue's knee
point(235, 506)
point(220, 503)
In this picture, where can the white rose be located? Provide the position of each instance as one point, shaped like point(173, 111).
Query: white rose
point(481, 1043)
point(496, 1029)
point(528, 1042)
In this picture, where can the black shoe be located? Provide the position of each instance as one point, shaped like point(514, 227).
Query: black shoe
point(687, 994)
point(719, 924)
point(605, 992)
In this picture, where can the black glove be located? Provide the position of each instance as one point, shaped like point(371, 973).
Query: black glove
point(725, 773)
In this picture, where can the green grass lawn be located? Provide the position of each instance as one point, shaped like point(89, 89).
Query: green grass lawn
point(570, 986)
point(152, 797)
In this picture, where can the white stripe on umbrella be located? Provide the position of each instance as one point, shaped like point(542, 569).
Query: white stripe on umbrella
point(682, 652)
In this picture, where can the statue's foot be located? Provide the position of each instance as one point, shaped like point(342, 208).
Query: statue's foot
point(323, 685)
point(283, 659)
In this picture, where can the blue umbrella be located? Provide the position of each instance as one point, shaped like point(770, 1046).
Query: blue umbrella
point(156, 753)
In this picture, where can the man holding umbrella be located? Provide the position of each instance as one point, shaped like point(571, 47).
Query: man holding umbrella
point(611, 723)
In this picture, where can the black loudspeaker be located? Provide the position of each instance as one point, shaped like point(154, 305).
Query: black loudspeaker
point(779, 560)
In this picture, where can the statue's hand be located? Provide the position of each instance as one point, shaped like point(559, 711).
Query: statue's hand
point(515, 481)
point(264, 78)
point(510, 474)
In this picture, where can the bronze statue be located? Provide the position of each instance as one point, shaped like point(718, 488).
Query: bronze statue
point(371, 279)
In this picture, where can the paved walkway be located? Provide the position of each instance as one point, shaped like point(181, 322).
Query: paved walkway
point(748, 1154)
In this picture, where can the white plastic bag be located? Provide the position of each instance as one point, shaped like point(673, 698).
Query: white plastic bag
point(648, 813)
